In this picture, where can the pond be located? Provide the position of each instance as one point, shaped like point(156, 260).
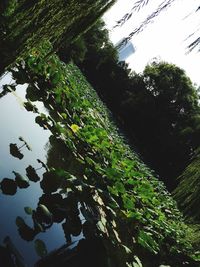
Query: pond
point(28, 152)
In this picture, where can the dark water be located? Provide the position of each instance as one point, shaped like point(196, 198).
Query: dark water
point(15, 122)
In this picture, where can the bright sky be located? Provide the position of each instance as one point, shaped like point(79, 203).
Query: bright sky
point(165, 38)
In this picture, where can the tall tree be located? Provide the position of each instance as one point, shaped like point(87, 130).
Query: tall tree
point(158, 109)
point(162, 111)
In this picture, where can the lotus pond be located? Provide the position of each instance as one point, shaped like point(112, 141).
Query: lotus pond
point(72, 191)
point(28, 151)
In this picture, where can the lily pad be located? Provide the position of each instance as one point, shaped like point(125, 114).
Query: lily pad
point(22, 182)
point(51, 182)
point(8, 186)
point(30, 107)
point(31, 173)
point(43, 215)
point(54, 203)
point(28, 210)
point(15, 152)
point(42, 121)
point(43, 164)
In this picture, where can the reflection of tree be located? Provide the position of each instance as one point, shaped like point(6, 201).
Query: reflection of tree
point(60, 204)
point(53, 208)
point(74, 195)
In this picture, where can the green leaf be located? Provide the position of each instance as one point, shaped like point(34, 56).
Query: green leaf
point(129, 202)
point(56, 77)
point(44, 210)
point(64, 115)
point(145, 239)
point(120, 187)
point(74, 128)
point(101, 227)
point(22, 181)
point(40, 248)
point(127, 250)
point(28, 210)
point(137, 262)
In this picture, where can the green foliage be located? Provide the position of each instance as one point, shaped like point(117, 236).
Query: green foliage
point(28, 210)
point(146, 240)
point(173, 117)
point(34, 22)
point(137, 262)
point(9, 7)
point(92, 42)
point(124, 205)
point(114, 184)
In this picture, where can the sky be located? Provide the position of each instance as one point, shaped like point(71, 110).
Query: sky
point(166, 38)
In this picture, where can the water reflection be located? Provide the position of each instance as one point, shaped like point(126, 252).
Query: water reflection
point(37, 214)
point(88, 252)
point(17, 175)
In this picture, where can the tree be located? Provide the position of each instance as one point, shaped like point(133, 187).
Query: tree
point(161, 110)
point(158, 110)
point(98, 59)
point(29, 23)
point(90, 43)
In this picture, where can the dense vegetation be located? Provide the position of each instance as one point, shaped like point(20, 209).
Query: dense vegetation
point(26, 24)
point(125, 206)
point(158, 109)
point(105, 192)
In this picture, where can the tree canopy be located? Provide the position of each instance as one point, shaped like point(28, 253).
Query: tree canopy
point(163, 112)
